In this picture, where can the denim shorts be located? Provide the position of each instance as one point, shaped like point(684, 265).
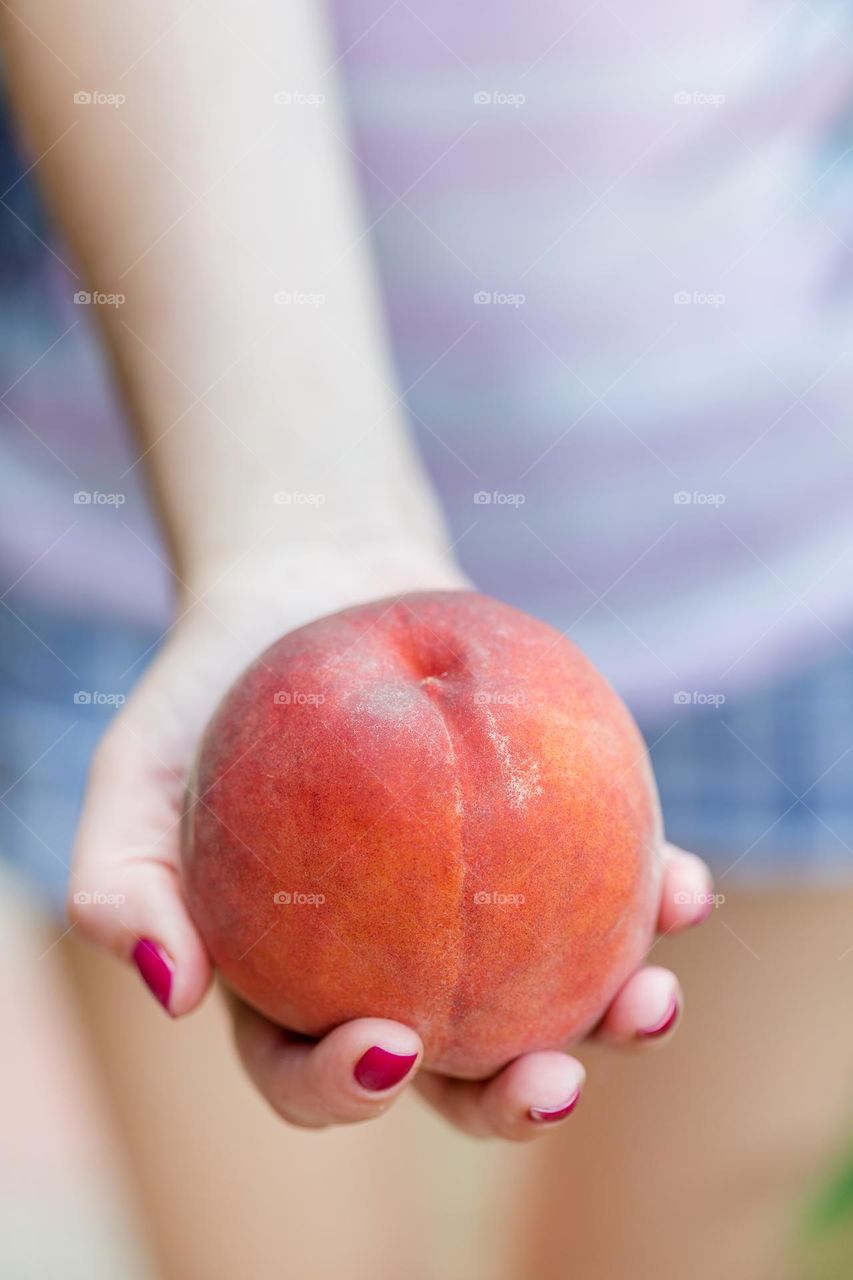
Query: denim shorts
point(762, 786)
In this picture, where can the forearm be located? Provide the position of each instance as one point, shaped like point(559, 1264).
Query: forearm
point(199, 199)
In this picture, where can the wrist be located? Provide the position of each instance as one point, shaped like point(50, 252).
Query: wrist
point(309, 579)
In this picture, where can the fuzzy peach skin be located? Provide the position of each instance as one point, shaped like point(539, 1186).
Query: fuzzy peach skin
point(433, 809)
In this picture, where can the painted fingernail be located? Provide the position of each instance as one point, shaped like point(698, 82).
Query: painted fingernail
point(378, 1069)
point(661, 1027)
point(155, 968)
point(547, 1115)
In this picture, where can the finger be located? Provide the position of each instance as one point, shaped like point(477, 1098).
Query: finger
point(687, 895)
point(125, 893)
point(646, 1010)
point(354, 1073)
point(524, 1100)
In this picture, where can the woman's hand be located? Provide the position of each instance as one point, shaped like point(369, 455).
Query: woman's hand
point(318, 1084)
point(127, 851)
point(539, 1089)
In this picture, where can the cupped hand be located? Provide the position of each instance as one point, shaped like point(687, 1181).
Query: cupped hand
point(127, 853)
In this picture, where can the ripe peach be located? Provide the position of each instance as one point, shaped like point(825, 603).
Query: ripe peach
point(430, 808)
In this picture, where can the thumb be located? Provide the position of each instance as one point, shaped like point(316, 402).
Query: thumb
point(125, 891)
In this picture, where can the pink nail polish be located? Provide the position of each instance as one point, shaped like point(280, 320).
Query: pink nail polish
point(378, 1069)
point(155, 968)
point(660, 1028)
point(547, 1115)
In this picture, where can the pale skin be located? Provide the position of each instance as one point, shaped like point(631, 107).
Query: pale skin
point(198, 201)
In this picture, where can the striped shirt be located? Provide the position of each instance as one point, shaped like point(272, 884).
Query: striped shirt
point(614, 245)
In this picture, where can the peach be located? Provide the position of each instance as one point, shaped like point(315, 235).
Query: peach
point(430, 808)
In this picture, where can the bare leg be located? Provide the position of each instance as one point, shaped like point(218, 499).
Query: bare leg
point(65, 1203)
point(229, 1190)
point(696, 1160)
point(693, 1157)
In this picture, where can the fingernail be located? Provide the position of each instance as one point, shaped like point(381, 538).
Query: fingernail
point(155, 968)
point(547, 1115)
point(378, 1069)
point(661, 1027)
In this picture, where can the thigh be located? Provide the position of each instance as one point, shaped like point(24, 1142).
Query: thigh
point(228, 1190)
point(697, 1159)
point(692, 1159)
point(65, 1203)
